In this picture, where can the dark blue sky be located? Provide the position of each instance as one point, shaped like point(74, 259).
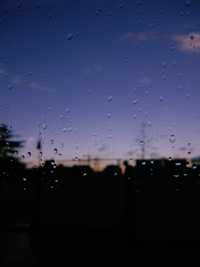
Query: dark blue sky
point(92, 71)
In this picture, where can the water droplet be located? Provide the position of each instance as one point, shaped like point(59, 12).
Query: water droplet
point(122, 4)
point(70, 129)
point(188, 3)
point(149, 123)
point(134, 116)
point(67, 110)
point(164, 64)
point(180, 86)
point(37, 5)
point(52, 141)
point(10, 87)
point(44, 126)
point(161, 99)
point(110, 98)
point(109, 13)
point(135, 101)
point(62, 145)
point(99, 11)
point(188, 95)
point(55, 150)
point(172, 138)
point(109, 115)
point(70, 36)
point(64, 130)
point(139, 3)
point(110, 136)
point(19, 4)
point(164, 77)
point(126, 59)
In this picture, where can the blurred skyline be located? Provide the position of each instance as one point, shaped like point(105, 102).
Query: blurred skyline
point(91, 72)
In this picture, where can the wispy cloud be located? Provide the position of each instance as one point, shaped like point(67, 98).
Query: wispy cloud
point(185, 42)
point(145, 81)
point(3, 72)
point(95, 68)
point(140, 36)
point(20, 80)
point(188, 42)
point(37, 86)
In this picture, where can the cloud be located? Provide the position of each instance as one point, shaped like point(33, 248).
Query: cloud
point(185, 42)
point(95, 68)
point(21, 80)
point(37, 86)
point(188, 42)
point(140, 36)
point(3, 72)
point(145, 81)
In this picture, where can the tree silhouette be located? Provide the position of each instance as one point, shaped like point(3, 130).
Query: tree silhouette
point(8, 146)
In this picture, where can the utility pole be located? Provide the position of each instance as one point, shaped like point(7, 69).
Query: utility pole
point(88, 159)
point(143, 141)
point(39, 147)
point(37, 184)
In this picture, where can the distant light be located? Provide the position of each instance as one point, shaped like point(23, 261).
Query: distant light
point(176, 175)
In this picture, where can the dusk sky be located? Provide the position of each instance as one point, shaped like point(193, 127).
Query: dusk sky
point(91, 72)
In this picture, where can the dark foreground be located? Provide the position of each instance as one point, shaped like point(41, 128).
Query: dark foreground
point(85, 210)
